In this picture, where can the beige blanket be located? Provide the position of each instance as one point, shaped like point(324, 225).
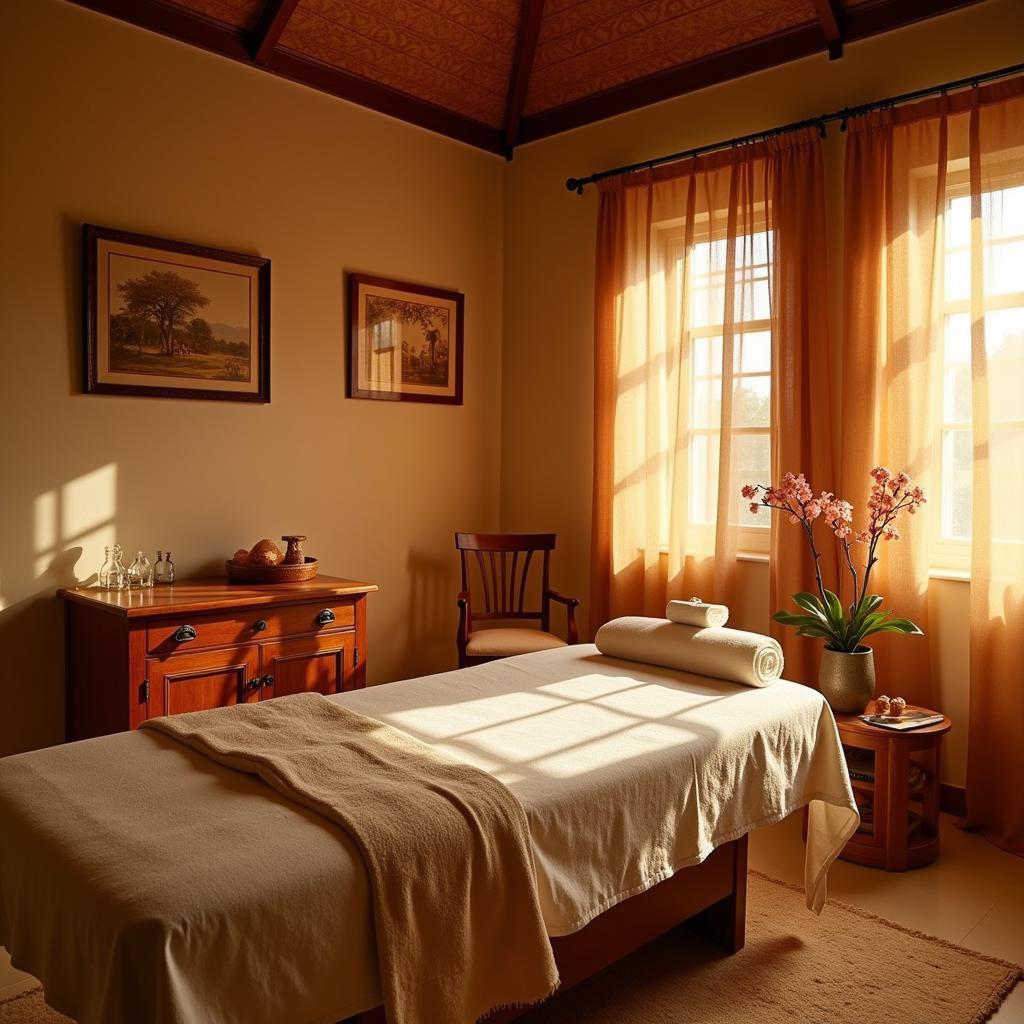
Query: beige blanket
point(458, 928)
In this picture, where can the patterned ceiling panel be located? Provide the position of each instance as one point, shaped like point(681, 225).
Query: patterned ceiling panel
point(453, 53)
point(586, 46)
point(242, 14)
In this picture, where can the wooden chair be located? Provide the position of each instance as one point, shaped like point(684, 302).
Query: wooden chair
point(504, 582)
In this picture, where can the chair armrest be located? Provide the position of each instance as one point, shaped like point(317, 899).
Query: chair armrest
point(570, 613)
point(462, 637)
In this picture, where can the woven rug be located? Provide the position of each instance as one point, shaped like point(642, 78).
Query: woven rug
point(845, 967)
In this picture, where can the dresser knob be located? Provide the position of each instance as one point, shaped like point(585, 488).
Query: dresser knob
point(183, 634)
point(260, 626)
point(325, 616)
point(268, 680)
point(253, 684)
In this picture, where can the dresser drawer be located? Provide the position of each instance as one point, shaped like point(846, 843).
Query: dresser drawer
point(165, 636)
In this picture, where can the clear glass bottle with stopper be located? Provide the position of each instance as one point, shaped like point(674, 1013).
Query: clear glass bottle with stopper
point(168, 569)
point(135, 572)
point(158, 569)
point(147, 572)
point(119, 577)
point(107, 577)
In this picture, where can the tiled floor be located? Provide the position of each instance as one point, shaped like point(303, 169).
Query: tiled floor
point(973, 895)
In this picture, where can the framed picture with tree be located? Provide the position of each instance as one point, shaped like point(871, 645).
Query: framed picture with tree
point(174, 320)
point(405, 341)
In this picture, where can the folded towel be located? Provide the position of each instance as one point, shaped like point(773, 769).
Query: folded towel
point(697, 613)
point(732, 654)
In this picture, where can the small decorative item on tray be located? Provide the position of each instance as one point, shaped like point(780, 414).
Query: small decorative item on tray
point(264, 562)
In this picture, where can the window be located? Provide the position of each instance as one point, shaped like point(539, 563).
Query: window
point(1002, 220)
point(748, 375)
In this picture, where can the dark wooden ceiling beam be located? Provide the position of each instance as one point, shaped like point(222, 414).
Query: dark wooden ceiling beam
point(272, 24)
point(530, 14)
point(830, 19)
point(867, 19)
point(228, 42)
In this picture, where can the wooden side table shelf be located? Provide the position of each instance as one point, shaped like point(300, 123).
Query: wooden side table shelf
point(898, 793)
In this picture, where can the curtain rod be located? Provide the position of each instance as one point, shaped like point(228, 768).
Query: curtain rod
point(577, 184)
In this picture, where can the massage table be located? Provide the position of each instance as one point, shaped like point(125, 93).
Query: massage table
point(140, 880)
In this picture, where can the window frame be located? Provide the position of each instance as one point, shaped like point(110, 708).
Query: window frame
point(752, 542)
point(950, 553)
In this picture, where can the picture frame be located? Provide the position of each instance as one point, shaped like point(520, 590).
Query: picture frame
point(405, 341)
point(169, 319)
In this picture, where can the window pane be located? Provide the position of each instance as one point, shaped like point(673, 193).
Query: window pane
point(1004, 268)
point(750, 464)
point(707, 356)
point(1007, 464)
point(755, 352)
point(1004, 345)
point(706, 410)
point(958, 338)
point(1002, 212)
point(752, 402)
point(958, 275)
point(703, 478)
point(956, 484)
point(957, 398)
point(958, 222)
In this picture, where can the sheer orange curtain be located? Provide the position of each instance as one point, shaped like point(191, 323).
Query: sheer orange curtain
point(933, 378)
point(710, 284)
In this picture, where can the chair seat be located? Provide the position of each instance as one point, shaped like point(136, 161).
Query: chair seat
point(505, 642)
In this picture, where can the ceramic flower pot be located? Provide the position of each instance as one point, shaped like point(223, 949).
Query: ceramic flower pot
point(847, 680)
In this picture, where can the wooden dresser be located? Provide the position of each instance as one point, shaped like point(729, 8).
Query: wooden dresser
point(207, 643)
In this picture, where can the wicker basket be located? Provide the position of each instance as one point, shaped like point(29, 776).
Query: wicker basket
point(239, 572)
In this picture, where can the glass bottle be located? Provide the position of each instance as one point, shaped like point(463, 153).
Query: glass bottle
point(158, 570)
point(168, 569)
point(107, 576)
point(147, 572)
point(119, 574)
point(135, 573)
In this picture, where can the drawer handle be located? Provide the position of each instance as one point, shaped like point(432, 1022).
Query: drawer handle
point(253, 684)
point(183, 634)
point(267, 680)
point(260, 626)
point(325, 616)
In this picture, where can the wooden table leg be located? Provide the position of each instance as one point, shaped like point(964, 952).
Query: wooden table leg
point(896, 810)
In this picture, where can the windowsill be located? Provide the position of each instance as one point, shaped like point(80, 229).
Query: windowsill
point(957, 575)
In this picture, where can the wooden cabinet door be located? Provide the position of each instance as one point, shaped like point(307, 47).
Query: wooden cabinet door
point(320, 663)
point(202, 680)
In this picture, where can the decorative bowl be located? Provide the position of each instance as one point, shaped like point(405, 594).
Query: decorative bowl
point(239, 572)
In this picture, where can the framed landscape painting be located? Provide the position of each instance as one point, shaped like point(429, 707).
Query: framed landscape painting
point(174, 320)
point(405, 341)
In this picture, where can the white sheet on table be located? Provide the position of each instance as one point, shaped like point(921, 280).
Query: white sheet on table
point(139, 880)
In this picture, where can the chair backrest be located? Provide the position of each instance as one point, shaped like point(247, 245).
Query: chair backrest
point(504, 561)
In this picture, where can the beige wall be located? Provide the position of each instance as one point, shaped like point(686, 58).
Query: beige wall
point(549, 259)
point(106, 123)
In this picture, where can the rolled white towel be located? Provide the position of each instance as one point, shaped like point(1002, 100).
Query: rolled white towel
point(697, 613)
point(733, 654)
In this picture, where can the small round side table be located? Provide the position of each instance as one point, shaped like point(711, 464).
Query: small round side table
point(895, 776)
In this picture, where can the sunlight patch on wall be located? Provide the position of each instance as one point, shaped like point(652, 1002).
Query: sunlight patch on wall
point(88, 501)
point(72, 525)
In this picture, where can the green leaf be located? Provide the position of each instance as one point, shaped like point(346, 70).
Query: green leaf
point(810, 603)
point(834, 608)
point(896, 626)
